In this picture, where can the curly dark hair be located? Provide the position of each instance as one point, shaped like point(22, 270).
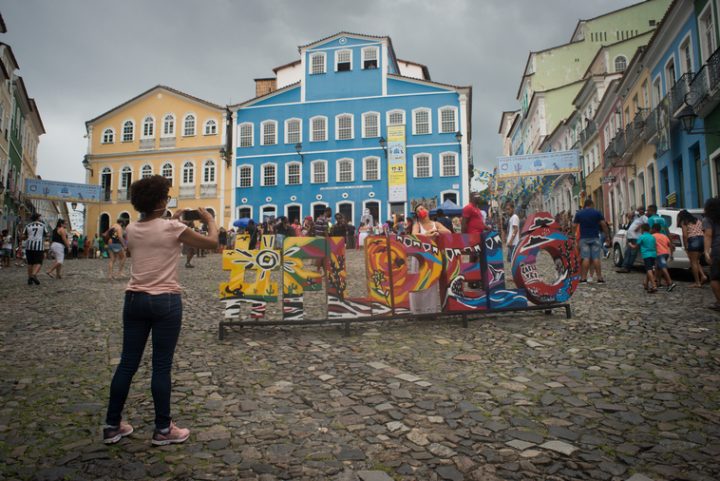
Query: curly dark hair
point(712, 209)
point(146, 194)
point(684, 217)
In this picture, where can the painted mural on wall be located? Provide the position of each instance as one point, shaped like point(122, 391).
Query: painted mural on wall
point(454, 273)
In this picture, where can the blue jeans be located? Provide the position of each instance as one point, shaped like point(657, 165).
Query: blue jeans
point(590, 249)
point(143, 313)
point(630, 255)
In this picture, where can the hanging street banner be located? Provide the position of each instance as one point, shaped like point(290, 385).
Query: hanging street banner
point(397, 177)
point(65, 191)
point(546, 163)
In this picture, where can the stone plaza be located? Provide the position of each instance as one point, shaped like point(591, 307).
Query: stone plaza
point(627, 389)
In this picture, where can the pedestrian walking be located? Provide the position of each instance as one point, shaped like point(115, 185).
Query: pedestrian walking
point(693, 240)
point(513, 230)
point(591, 221)
point(655, 218)
point(711, 244)
point(473, 223)
point(187, 250)
point(308, 227)
point(222, 239)
point(115, 245)
point(631, 236)
point(34, 236)
point(665, 250)
point(59, 245)
point(153, 305)
point(322, 223)
point(648, 250)
point(6, 248)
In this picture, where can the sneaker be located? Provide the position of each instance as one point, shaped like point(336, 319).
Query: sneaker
point(173, 435)
point(30, 281)
point(35, 280)
point(671, 287)
point(113, 434)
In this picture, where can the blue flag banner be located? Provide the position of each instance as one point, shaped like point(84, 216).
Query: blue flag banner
point(64, 191)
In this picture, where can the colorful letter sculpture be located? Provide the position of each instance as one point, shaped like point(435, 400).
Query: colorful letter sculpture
point(464, 273)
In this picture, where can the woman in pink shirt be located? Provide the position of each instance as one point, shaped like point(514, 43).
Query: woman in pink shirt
point(153, 304)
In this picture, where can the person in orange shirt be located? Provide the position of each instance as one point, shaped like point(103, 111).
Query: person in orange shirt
point(665, 249)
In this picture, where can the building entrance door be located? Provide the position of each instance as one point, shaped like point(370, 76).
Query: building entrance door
point(293, 213)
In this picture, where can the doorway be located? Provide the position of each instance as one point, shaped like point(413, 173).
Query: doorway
point(346, 209)
point(104, 223)
point(294, 213)
point(374, 207)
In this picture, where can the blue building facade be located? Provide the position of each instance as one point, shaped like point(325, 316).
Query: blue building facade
point(683, 171)
point(316, 135)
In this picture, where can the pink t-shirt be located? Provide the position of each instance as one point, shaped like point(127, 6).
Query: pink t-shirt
point(155, 247)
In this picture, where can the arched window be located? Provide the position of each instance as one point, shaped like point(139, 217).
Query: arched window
point(344, 127)
point(169, 126)
point(246, 134)
point(125, 177)
point(293, 131)
point(318, 129)
point(209, 172)
point(371, 124)
point(269, 175)
point(293, 173)
point(396, 117)
point(108, 136)
point(148, 127)
point(448, 120)
point(189, 125)
point(245, 176)
point(210, 127)
point(167, 171)
point(188, 173)
point(128, 131)
point(421, 121)
point(620, 63)
point(371, 168)
point(146, 171)
point(343, 60)
point(448, 167)
point(422, 165)
point(318, 169)
point(344, 171)
point(269, 132)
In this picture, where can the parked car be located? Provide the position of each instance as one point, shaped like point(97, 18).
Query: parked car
point(680, 259)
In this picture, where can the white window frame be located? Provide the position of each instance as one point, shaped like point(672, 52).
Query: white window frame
point(207, 165)
point(287, 172)
point(262, 131)
point(312, 171)
point(182, 173)
point(393, 111)
point(352, 170)
point(450, 191)
point(252, 134)
point(707, 50)
point(364, 125)
point(429, 122)
point(142, 170)
point(239, 176)
point(337, 54)
point(145, 121)
point(363, 56)
point(195, 122)
point(312, 130)
point(241, 207)
point(440, 121)
point(352, 208)
point(668, 85)
point(262, 208)
point(112, 132)
point(415, 165)
point(262, 175)
point(441, 165)
point(172, 171)
point(657, 81)
point(132, 123)
point(207, 123)
point(285, 130)
point(124, 170)
point(286, 210)
point(615, 69)
point(310, 63)
point(687, 38)
point(174, 126)
point(379, 204)
point(337, 125)
point(379, 169)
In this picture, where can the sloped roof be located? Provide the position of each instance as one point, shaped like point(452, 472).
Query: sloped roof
point(289, 64)
point(426, 71)
point(12, 55)
point(266, 96)
point(159, 86)
point(343, 34)
point(3, 29)
point(580, 21)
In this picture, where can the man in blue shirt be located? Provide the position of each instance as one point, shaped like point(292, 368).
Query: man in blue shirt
point(590, 222)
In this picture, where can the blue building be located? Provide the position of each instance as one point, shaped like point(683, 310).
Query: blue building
point(316, 135)
point(673, 57)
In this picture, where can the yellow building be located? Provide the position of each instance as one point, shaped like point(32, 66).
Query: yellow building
point(161, 131)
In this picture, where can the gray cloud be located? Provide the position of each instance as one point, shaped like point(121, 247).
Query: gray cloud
point(80, 58)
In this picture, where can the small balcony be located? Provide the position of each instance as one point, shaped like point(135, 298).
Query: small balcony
point(187, 192)
point(123, 194)
point(634, 132)
point(679, 91)
point(167, 142)
point(208, 190)
point(651, 125)
point(705, 88)
point(590, 130)
point(107, 195)
point(147, 144)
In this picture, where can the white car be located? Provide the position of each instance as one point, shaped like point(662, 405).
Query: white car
point(680, 259)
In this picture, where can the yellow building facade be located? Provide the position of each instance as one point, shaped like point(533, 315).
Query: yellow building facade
point(161, 131)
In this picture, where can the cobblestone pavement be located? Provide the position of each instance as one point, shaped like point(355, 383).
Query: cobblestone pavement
point(626, 389)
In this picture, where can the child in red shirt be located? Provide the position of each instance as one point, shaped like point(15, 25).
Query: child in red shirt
point(665, 248)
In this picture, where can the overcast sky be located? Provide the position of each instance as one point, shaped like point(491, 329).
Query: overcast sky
point(80, 58)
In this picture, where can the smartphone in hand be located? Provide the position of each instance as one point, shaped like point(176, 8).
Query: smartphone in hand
point(191, 215)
